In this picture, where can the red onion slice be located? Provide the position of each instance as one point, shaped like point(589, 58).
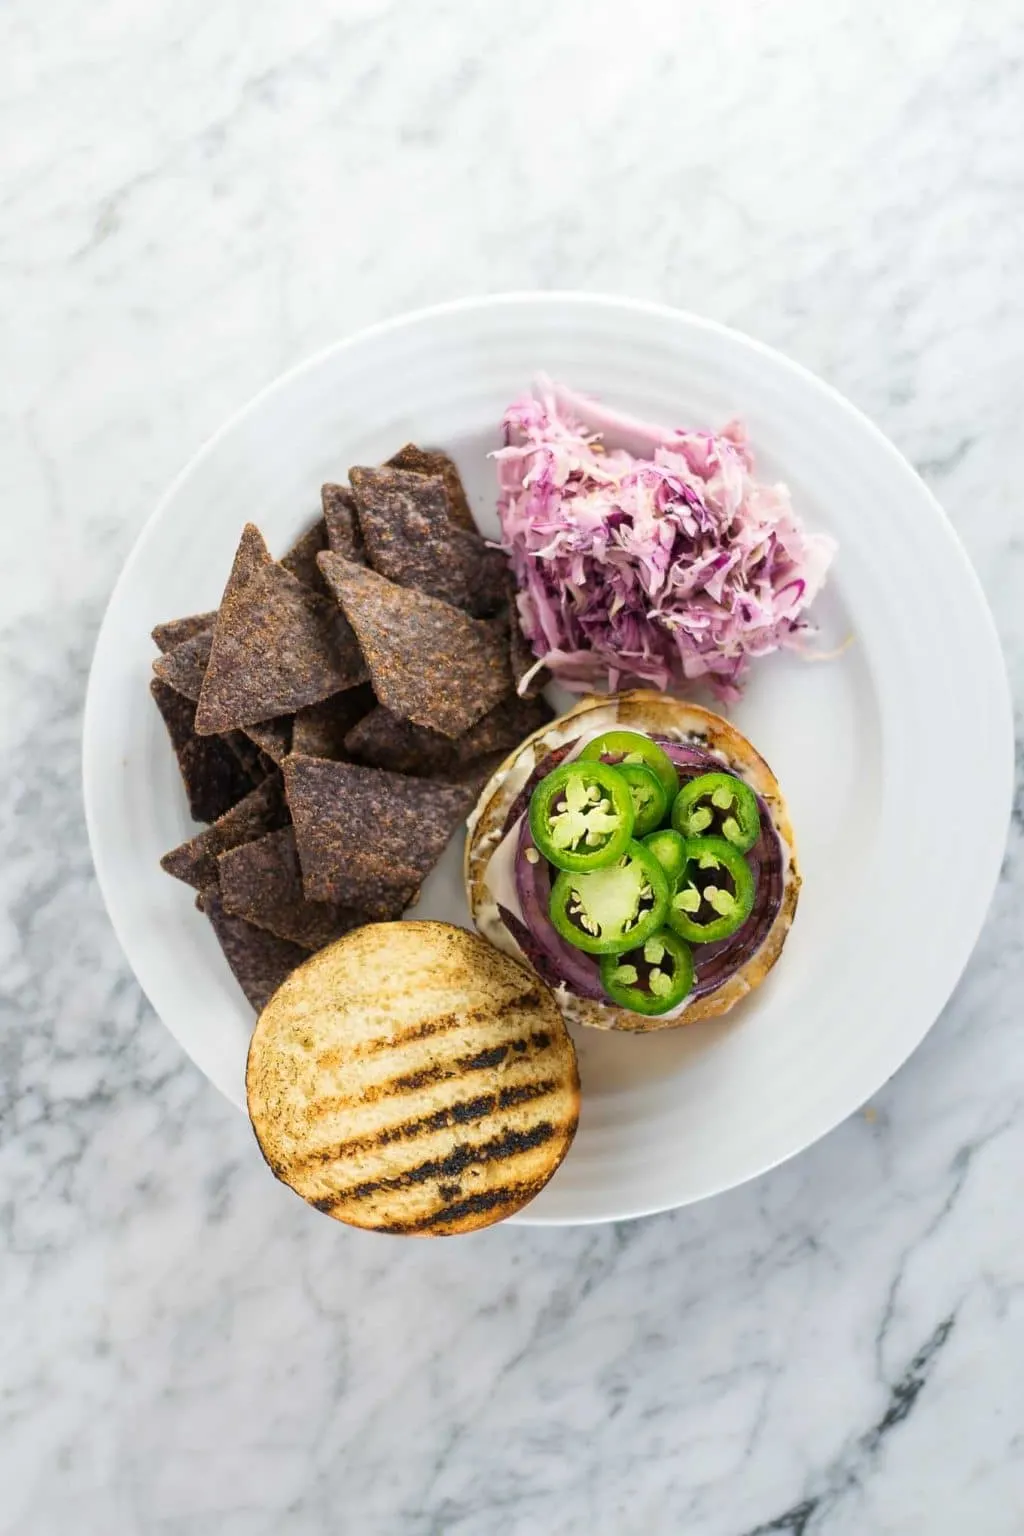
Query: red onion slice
point(533, 887)
point(544, 767)
point(553, 968)
point(715, 963)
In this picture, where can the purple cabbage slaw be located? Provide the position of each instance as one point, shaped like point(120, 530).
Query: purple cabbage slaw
point(558, 961)
point(661, 568)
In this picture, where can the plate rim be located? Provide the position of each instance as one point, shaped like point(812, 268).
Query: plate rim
point(580, 299)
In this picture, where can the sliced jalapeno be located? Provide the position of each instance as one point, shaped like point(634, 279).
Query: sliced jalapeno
point(650, 802)
point(669, 848)
point(633, 747)
point(715, 893)
point(581, 816)
point(653, 977)
point(605, 911)
point(718, 805)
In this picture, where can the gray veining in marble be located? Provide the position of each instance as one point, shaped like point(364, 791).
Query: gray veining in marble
point(194, 196)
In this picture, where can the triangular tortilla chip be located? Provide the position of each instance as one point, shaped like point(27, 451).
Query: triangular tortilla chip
point(259, 960)
point(428, 661)
point(301, 558)
point(184, 668)
point(274, 737)
point(425, 461)
point(504, 727)
point(262, 882)
point(474, 775)
point(252, 555)
point(366, 838)
point(343, 535)
point(277, 646)
point(178, 714)
point(213, 777)
point(256, 763)
point(384, 740)
point(411, 540)
point(320, 730)
point(262, 811)
point(177, 631)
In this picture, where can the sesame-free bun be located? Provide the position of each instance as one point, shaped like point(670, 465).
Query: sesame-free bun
point(410, 1078)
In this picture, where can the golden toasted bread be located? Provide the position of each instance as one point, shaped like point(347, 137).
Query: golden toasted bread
point(656, 714)
point(411, 1078)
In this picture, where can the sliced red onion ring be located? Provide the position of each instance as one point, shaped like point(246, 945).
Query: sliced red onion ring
point(715, 963)
point(569, 967)
point(544, 767)
point(533, 887)
point(556, 960)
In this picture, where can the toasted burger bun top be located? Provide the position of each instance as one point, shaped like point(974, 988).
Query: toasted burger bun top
point(409, 1078)
point(655, 714)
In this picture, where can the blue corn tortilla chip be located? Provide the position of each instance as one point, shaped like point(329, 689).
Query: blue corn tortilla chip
point(431, 461)
point(366, 838)
point(504, 727)
point(301, 558)
point(272, 737)
point(321, 729)
point(259, 960)
point(256, 763)
point(474, 774)
point(343, 534)
point(411, 539)
point(214, 778)
point(263, 810)
point(177, 631)
point(385, 740)
point(277, 646)
point(262, 882)
point(184, 667)
point(428, 662)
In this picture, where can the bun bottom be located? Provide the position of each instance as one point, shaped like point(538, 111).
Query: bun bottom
point(656, 714)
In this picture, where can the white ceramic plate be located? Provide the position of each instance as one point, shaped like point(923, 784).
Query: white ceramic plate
point(898, 866)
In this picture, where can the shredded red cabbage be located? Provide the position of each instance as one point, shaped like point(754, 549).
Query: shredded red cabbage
point(659, 568)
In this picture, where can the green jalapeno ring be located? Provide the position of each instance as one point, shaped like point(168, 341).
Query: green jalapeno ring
point(635, 747)
point(650, 802)
point(599, 910)
point(722, 796)
point(669, 848)
point(705, 855)
point(581, 816)
point(621, 974)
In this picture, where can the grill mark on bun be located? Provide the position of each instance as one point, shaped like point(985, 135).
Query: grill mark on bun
point(464, 1155)
point(509, 1195)
point(530, 1001)
point(465, 1112)
point(499, 1053)
point(442, 1071)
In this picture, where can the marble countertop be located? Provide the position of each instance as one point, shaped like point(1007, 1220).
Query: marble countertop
point(195, 196)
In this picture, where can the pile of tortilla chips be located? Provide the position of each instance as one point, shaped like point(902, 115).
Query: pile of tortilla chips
point(336, 717)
